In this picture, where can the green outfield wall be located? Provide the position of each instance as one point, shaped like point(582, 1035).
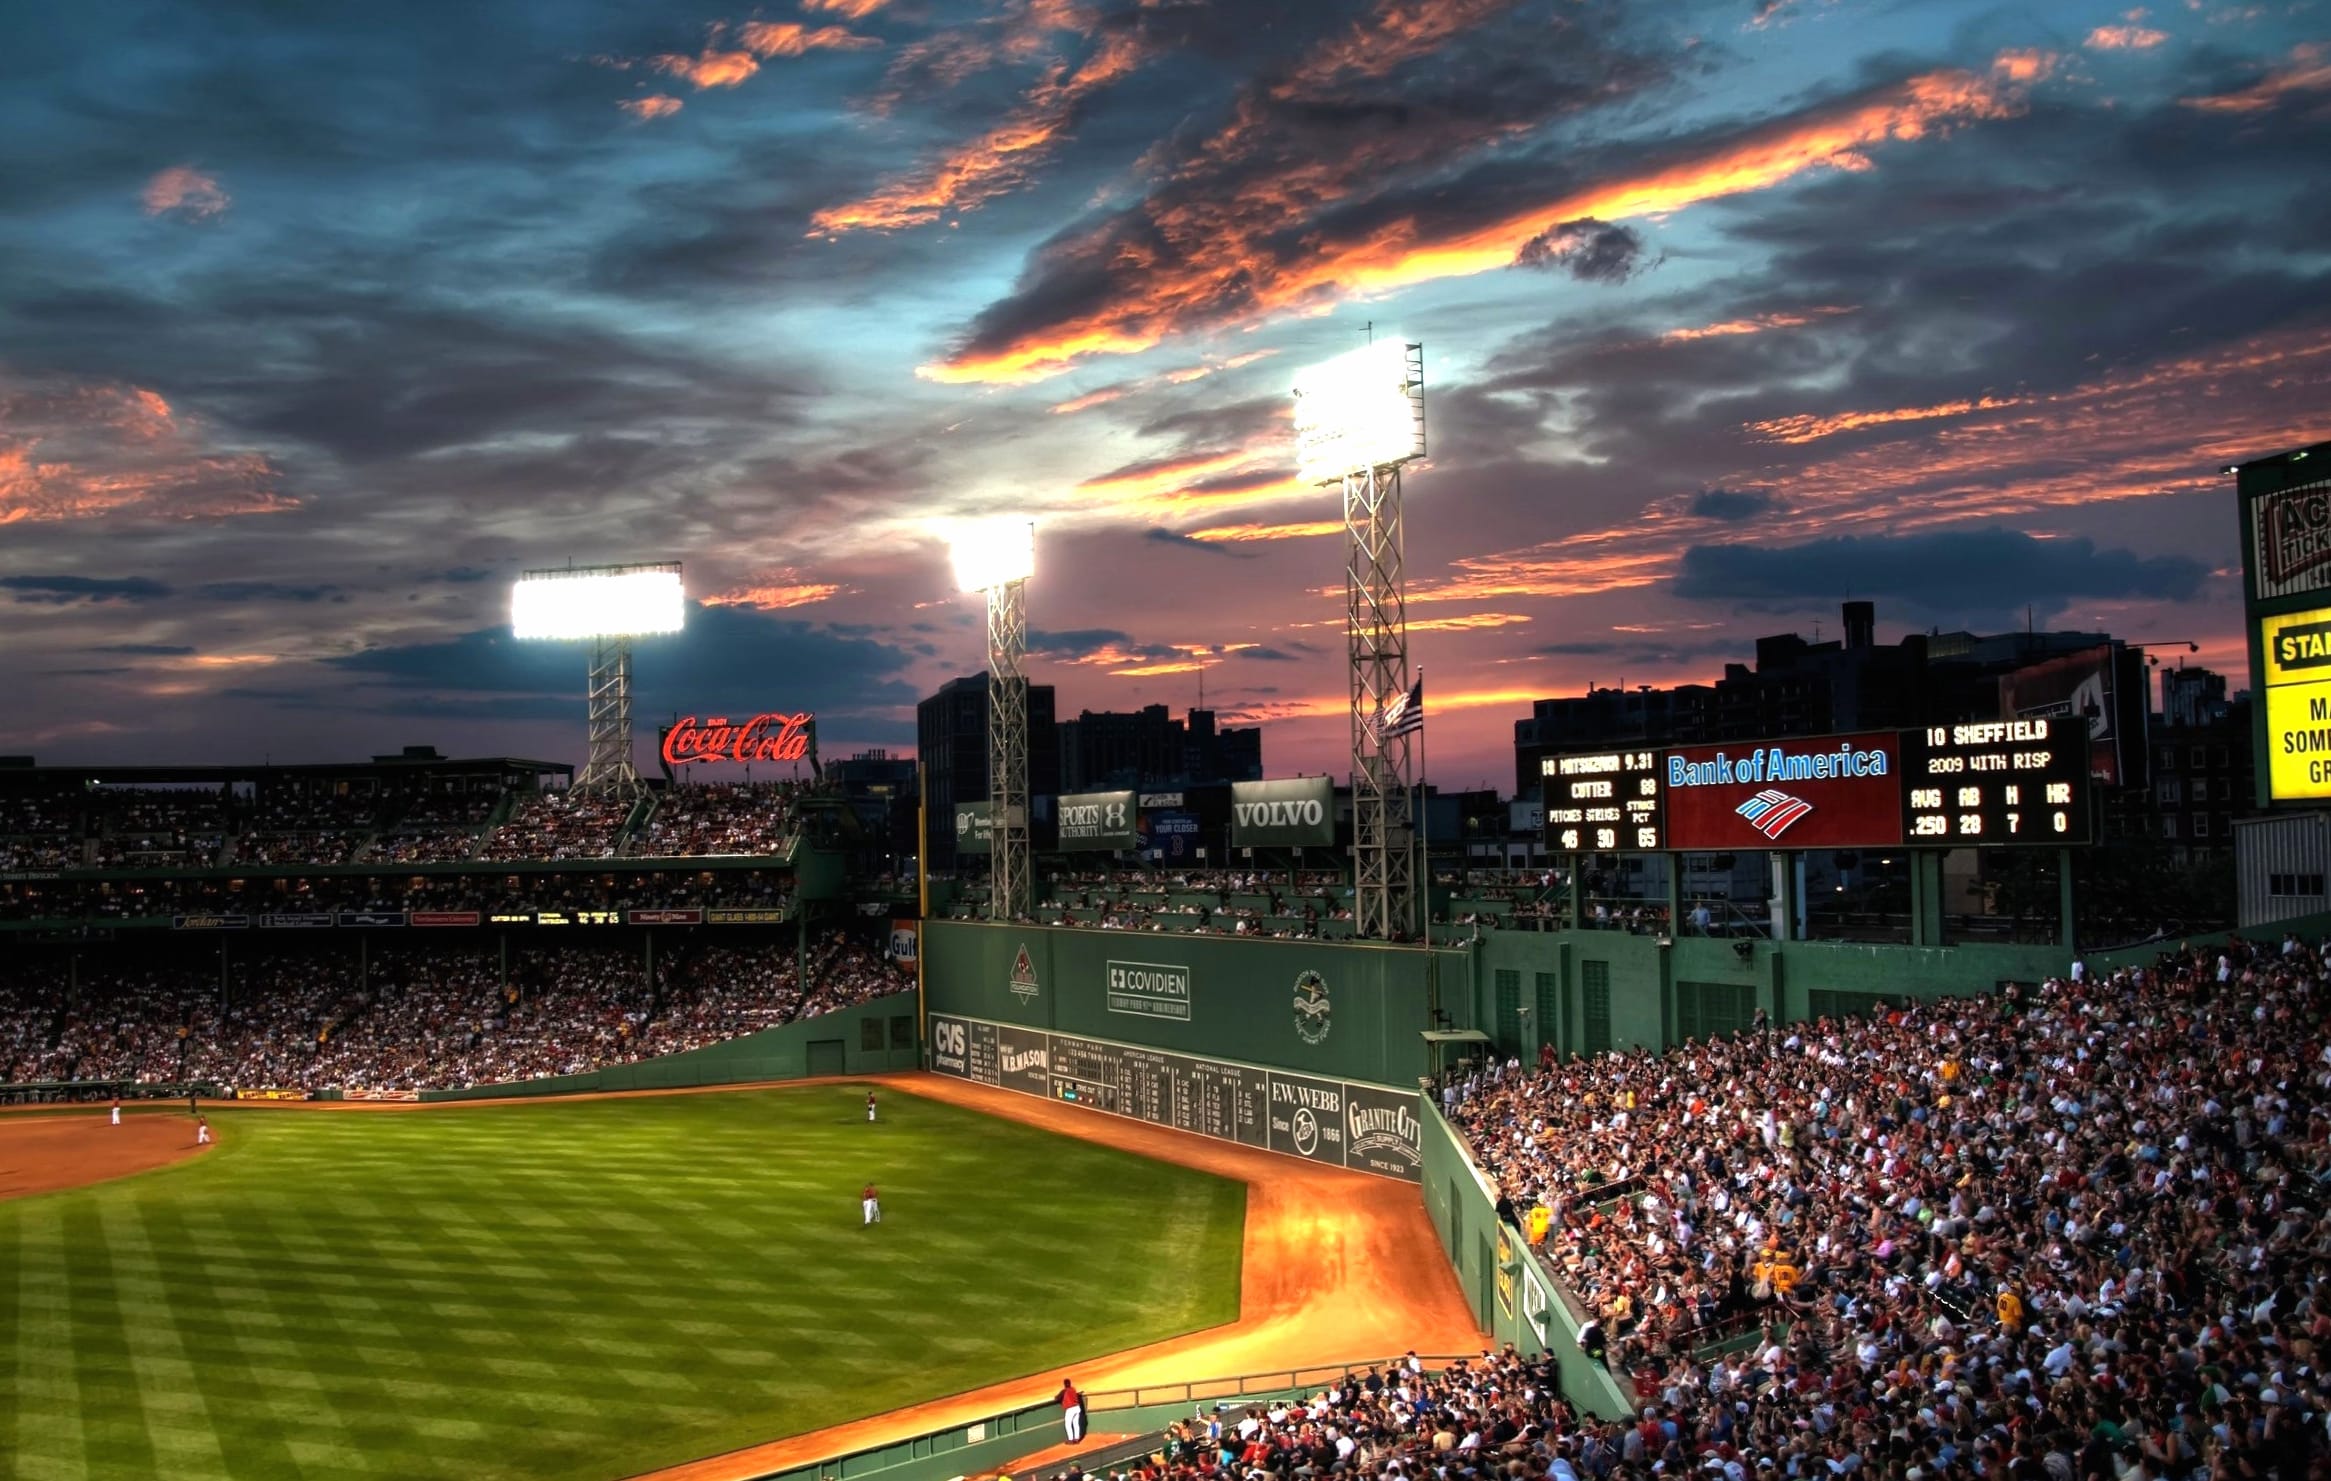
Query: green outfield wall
point(1348, 1012)
point(871, 1037)
point(1513, 1296)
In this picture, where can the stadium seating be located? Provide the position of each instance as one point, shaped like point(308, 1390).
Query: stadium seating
point(2080, 1226)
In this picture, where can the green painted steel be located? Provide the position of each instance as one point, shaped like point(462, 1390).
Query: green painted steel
point(1515, 1297)
point(773, 1054)
point(1342, 1011)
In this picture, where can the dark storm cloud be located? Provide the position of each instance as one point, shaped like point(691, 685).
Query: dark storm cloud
point(1589, 250)
point(146, 650)
point(61, 591)
point(1732, 506)
point(724, 656)
point(1267, 655)
point(269, 591)
point(1960, 574)
point(1077, 644)
point(1180, 541)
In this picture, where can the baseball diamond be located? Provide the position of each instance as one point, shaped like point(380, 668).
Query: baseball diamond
point(585, 1288)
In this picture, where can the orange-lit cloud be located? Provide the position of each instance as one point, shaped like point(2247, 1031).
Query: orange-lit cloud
point(1220, 265)
point(849, 10)
point(1469, 622)
point(1244, 534)
point(2132, 35)
point(71, 452)
point(996, 162)
point(1015, 31)
point(653, 106)
point(1759, 324)
point(1812, 428)
point(1158, 475)
point(771, 598)
point(718, 65)
point(2309, 71)
point(185, 191)
point(1181, 377)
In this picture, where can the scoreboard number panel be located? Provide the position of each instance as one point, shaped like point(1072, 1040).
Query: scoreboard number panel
point(1607, 802)
point(1996, 784)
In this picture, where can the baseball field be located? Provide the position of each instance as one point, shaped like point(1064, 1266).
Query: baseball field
point(574, 1288)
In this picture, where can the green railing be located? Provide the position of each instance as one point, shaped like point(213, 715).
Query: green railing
point(977, 1443)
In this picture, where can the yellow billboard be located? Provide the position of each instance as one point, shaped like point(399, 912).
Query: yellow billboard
point(2297, 649)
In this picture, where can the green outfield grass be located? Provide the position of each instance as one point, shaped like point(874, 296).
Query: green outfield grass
point(587, 1289)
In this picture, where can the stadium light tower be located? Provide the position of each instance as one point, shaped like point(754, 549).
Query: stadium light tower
point(608, 605)
point(1358, 419)
point(997, 557)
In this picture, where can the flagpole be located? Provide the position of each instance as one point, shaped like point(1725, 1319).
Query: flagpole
point(1425, 822)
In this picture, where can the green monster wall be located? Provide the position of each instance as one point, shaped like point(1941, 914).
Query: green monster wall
point(1362, 1008)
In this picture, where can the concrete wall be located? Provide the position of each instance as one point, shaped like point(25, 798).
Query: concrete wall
point(787, 1053)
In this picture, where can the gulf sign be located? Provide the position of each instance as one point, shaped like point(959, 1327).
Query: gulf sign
point(1839, 791)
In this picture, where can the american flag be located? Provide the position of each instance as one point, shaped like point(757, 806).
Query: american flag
point(1404, 715)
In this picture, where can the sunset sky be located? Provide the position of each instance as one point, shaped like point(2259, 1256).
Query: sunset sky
point(318, 323)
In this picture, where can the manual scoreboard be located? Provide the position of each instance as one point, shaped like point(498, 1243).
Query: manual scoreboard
point(1996, 783)
point(1608, 802)
point(1987, 784)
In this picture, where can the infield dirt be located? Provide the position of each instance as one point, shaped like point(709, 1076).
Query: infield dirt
point(41, 1154)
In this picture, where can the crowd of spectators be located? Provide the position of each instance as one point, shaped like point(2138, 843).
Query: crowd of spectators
point(709, 821)
point(406, 1018)
point(560, 825)
point(1222, 902)
point(109, 900)
point(2072, 1233)
point(1498, 1417)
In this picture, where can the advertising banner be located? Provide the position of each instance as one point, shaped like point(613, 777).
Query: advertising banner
point(1298, 813)
point(1149, 990)
point(1505, 1272)
point(2291, 531)
point(1382, 1134)
point(906, 941)
point(2076, 689)
point(1367, 1128)
point(356, 1093)
point(1170, 834)
point(372, 918)
point(1096, 821)
point(246, 1093)
point(2297, 670)
point(210, 922)
point(1536, 1302)
point(974, 828)
point(1838, 791)
point(746, 915)
point(443, 917)
point(309, 920)
point(670, 915)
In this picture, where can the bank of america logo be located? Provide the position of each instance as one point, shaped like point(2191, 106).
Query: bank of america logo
point(1771, 812)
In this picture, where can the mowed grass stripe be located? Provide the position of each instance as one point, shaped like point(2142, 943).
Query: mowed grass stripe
point(580, 1289)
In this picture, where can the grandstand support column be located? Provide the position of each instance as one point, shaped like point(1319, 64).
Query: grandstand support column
point(2065, 901)
point(609, 765)
point(1384, 892)
point(1010, 888)
point(1782, 905)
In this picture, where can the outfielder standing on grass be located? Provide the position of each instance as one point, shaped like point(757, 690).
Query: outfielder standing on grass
point(870, 1106)
point(871, 1202)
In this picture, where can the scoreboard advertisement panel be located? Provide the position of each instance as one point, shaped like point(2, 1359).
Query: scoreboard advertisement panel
point(1842, 791)
point(1988, 784)
point(1997, 783)
point(2297, 652)
point(1607, 802)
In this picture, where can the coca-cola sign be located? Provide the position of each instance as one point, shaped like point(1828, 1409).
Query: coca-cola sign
point(773, 736)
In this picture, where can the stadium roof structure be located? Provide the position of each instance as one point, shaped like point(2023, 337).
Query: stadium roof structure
point(411, 759)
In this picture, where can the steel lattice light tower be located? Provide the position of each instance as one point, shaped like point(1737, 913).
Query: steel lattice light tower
point(1358, 419)
point(997, 557)
point(609, 606)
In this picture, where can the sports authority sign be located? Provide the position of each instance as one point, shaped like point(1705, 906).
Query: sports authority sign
point(1840, 791)
point(1097, 821)
point(772, 735)
point(1299, 813)
point(1342, 1123)
point(1149, 990)
point(2291, 530)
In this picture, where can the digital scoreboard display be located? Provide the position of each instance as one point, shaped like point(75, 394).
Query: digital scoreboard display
point(1996, 784)
point(1606, 802)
